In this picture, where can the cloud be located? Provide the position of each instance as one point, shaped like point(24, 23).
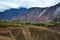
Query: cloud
point(7, 4)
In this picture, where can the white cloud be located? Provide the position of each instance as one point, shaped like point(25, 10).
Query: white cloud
point(7, 4)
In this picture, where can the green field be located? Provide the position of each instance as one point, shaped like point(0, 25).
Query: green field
point(19, 23)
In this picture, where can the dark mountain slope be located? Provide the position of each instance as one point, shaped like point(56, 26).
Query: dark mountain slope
point(8, 14)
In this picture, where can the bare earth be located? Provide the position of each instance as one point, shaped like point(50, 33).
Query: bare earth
point(28, 33)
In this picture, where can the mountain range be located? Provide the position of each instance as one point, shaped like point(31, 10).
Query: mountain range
point(32, 14)
point(9, 14)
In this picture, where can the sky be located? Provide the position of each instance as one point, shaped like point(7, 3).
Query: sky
point(8, 4)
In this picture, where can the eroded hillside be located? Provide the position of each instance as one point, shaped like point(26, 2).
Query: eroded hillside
point(28, 33)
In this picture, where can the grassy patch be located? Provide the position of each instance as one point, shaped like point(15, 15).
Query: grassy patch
point(24, 23)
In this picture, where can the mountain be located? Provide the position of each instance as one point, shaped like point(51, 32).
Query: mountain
point(39, 14)
point(57, 15)
point(8, 14)
point(32, 14)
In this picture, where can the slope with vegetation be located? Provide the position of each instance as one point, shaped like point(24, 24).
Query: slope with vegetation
point(24, 23)
point(24, 30)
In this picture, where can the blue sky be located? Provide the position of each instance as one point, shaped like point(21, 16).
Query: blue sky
point(7, 4)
